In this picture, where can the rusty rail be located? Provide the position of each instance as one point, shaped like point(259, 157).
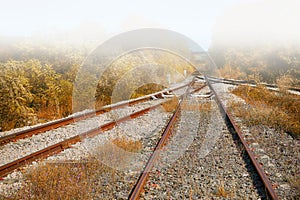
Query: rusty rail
point(232, 122)
point(62, 122)
point(135, 192)
point(58, 147)
point(243, 82)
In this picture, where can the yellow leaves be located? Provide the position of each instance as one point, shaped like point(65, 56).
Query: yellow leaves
point(21, 99)
point(23, 87)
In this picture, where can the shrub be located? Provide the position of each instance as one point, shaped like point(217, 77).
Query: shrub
point(170, 106)
point(79, 179)
point(277, 110)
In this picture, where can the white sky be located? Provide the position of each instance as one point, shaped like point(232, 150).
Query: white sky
point(194, 19)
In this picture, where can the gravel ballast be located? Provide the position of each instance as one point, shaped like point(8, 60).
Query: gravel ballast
point(212, 167)
point(202, 159)
point(275, 150)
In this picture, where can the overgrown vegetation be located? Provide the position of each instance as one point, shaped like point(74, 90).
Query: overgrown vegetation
point(271, 60)
point(147, 89)
point(38, 90)
point(127, 145)
point(82, 180)
point(139, 73)
point(32, 92)
point(171, 105)
point(59, 181)
point(279, 110)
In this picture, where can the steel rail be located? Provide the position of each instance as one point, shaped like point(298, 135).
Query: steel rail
point(60, 146)
point(135, 193)
point(69, 120)
point(240, 82)
point(137, 189)
point(230, 119)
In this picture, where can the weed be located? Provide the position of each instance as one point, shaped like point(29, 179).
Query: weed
point(228, 71)
point(50, 181)
point(83, 180)
point(170, 106)
point(221, 192)
point(127, 145)
point(278, 110)
point(285, 82)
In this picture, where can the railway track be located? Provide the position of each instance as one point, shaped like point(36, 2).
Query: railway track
point(229, 118)
point(144, 176)
point(243, 82)
point(60, 146)
point(135, 193)
point(69, 120)
point(143, 179)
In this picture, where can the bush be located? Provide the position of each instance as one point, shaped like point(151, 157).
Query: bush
point(79, 179)
point(278, 110)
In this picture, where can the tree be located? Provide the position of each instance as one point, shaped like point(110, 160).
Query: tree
point(15, 110)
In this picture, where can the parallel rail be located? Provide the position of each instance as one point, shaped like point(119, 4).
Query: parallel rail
point(135, 193)
point(230, 119)
point(142, 180)
point(58, 147)
point(69, 120)
point(240, 82)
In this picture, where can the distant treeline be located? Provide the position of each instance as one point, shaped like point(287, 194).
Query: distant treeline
point(37, 81)
point(259, 62)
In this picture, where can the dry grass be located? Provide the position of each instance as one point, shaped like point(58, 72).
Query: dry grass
point(285, 82)
point(79, 181)
point(227, 71)
point(277, 110)
point(118, 152)
point(170, 106)
point(56, 182)
point(127, 145)
point(221, 192)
